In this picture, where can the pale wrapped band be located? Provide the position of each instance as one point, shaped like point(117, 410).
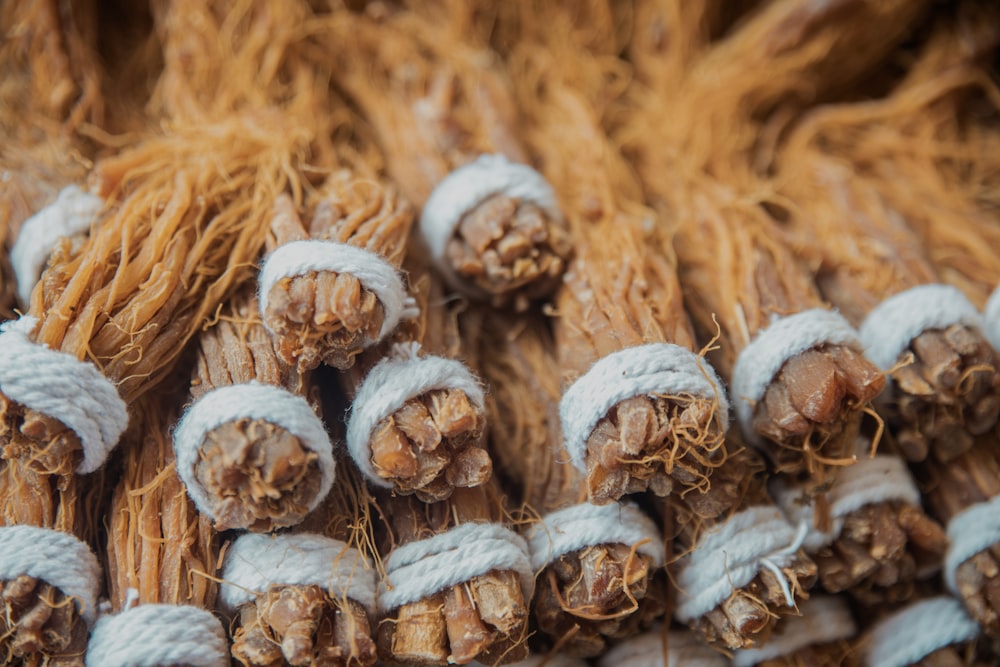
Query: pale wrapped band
point(72, 213)
point(374, 273)
point(893, 324)
point(62, 387)
point(657, 369)
point(824, 619)
point(467, 187)
point(991, 319)
point(731, 554)
point(256, 562)
point(158, 635)
point(784, 339)
point(867, 482)
point(647, 650)
point(56, 558)
point(911, 635)
point(401, 376)
point(417, 570)
point(586, 525)
point(975, 529)
point(249, 401)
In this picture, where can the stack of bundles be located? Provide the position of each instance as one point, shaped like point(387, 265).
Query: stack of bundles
point(444, 332)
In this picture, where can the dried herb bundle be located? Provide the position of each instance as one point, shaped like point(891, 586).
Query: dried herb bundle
point(821, 637)
point(318, 586)
point(417, 422)
point(251, 449)
point(439, 105)
point(620, 312)
point(604, 585)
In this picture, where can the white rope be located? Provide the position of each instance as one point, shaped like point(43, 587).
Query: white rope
point(465, 188)
point(893, 324)
point(972, 530)
point(912, 634)
point(991, 319)
point(249, 401)
point(392, 382)
point(868, 482)
point(62, 387)
point(587, 525)
point(646, 650)
point(255, 562)
point(58, 559)
point(374, 273)
point(158, 635)
point(784, 339)
point(824, 619)
point(420, 569)
point(72, 213)
point(730, 555)
point(656, 369)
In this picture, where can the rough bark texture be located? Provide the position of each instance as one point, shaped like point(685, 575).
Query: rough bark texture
point(591, 596)
point(438, 104)
point(484, 619)
point(746, 619)
point(434, 443)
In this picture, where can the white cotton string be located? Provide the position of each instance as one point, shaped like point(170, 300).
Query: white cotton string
point(465, 188)
point(374, 273)
point(784, 339)
point(249, 401)
point(420, 569)
point(991, 319)
point(587, 525)
point(730, 555)
point(867, 482)
point(158, 635)
point(893, 324)
point(58, 559)
point(973, 530)
point(917, 631)
point(255, 562)
point(72, 213)
point(391, 383)
point(824, 619)
point(658, 369)
point(62, 387)
point(646, 650)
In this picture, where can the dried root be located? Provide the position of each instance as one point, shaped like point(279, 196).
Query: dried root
point(40, 625)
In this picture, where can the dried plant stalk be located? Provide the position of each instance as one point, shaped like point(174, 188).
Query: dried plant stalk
point(483, 619)
point(821, 637)
point(589, 596)
point(620, 292)
point(431, 440)
point(256, 472)
point(301, 624)
point(747, 616)
point(328, 316)
point(436, 107)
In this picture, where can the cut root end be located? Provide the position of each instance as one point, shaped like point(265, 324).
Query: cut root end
point(41, 626)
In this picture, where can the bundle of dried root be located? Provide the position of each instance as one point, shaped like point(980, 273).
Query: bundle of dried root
point(162, 557)
point(446, 119)
point(417, 420)
point(306, 597)
point(598, 564)
point(820, 637)
point(641, 409)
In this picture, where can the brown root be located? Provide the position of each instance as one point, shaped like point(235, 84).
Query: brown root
point(40, 625)
point(259, 476)
point(812, 410)
point(658, 444)
point(597, 594)
point(432, 445)
point(303, 626)
point(510, 250)
point(978, 582)
point(484, 619)
point(947, 395)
